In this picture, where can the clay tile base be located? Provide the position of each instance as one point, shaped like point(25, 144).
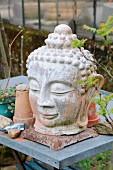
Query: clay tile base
point(57, 142)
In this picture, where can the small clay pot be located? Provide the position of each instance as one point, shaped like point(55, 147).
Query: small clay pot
point(93, 117)
point(23, 112)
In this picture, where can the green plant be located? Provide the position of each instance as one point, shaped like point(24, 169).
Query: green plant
point(99, 99)
point(91, 81)
point(8, 97)
point(99, 162)
point(103, 102)
point(78, 43)
point(104, 31)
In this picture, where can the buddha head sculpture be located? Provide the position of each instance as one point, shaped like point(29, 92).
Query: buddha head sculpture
point(59, 102)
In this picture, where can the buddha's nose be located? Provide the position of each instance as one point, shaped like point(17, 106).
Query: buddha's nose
point(45, 100)
point(45, 103)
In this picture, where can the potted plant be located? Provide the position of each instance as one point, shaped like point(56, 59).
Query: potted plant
point(7, 102)
point(103, 101)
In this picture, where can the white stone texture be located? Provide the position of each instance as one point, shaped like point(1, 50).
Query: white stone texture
point(58, 101)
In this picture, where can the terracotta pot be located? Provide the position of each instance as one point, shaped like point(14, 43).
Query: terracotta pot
point(93, 117)
point(23, 112)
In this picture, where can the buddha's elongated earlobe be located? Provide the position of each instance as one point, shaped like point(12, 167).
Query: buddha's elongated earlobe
point(100, 81)
point(83, 116)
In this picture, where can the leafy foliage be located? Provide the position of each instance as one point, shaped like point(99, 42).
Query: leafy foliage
point(78, 43)
point(8, 97)
point(11, 107)
point(9, 93)
point(99, 162)
point(86, 27)
point(103, 102)
point(104, 30)
point(91, 81)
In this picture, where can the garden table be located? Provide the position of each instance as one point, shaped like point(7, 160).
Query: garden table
point(62, 158)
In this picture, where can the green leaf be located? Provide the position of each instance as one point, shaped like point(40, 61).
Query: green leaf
point(111, 29)
point(12, 104)
point(104, 30)
point(12, 111)
point(94, 30)
point(96, 100)
point(5, 111)
point(107, 42)
point(9, 107)
point(78, 43)
point(110, 111)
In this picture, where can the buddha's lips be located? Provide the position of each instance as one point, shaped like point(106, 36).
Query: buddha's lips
point(48, 116)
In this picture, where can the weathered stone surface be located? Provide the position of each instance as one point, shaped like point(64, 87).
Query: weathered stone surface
point(61, 104)
point(13, 133)
point(4, 121)
point(57, 142)
point(104, 128)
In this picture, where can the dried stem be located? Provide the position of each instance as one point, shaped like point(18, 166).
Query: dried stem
point(110, 118)
point(10, 46)
point(104, 68)
point(108, 121)
point(95, 44)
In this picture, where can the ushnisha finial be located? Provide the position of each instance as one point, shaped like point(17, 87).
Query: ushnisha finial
point(61, 38)
point(63, 29)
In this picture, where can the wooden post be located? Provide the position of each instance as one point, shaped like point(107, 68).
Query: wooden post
point(4, 51)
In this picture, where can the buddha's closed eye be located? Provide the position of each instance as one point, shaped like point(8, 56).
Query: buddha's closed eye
point(34, 85)
point(56, 88)
point(61, 88)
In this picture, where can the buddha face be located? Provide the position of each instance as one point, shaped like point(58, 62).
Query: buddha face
point(54, 94)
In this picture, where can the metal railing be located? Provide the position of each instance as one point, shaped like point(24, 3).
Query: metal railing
point(46, 14)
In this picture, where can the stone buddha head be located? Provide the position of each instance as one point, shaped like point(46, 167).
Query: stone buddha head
point(59, 102)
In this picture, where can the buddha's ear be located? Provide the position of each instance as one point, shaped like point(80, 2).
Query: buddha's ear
point(85, 104)
point(100, 81)
point(97, 81)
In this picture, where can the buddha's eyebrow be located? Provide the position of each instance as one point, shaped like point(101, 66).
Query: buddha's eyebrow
point(60, 81)
point(66, 82)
